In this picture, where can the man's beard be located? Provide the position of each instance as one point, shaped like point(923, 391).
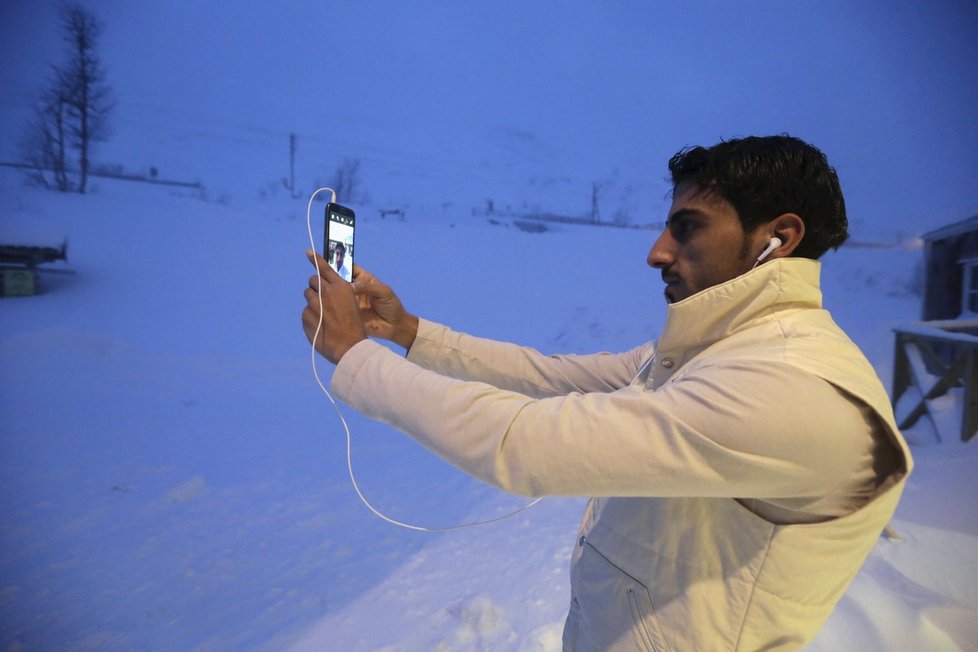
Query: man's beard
point(745, 248)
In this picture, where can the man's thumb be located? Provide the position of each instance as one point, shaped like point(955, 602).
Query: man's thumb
point(370, 287)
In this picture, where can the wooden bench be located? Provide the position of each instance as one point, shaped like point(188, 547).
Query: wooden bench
point(19, 267)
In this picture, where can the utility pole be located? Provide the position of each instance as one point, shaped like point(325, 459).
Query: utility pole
point(595, 217)
point(292, 164)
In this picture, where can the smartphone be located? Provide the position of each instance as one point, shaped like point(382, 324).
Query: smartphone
point(340, 229)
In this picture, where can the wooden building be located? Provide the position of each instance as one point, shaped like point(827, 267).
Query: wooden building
point(940, 353)
point(951, 267)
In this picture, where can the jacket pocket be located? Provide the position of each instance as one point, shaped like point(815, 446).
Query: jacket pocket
point(615, 609)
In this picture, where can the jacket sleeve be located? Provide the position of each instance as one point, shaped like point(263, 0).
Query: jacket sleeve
point(747, 431)
point(521, 369)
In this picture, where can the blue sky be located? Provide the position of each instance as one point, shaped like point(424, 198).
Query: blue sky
point(495, 91)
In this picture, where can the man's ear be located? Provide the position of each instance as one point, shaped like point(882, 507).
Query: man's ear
point(790, 228)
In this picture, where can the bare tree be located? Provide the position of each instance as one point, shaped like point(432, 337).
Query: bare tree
point(44, 142)
point(73, 112)
point(88, 96)
point(346, 180)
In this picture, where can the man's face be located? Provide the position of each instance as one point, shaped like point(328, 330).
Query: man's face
point(703, 244)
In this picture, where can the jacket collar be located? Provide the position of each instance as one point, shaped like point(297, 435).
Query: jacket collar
point(759, 295)
point(724, 309)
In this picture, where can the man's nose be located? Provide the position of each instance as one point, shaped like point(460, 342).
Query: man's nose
point(662, 254)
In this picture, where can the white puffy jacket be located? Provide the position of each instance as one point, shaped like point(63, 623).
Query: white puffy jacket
point(741, 468)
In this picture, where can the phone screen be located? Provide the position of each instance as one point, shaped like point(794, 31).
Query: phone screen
point(340, 227)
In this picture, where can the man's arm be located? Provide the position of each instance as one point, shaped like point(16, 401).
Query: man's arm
point(522, 369)
point(436, 347)
point(711, 434)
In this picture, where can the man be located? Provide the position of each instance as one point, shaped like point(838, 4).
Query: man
point(740, 468)
point(340, 263)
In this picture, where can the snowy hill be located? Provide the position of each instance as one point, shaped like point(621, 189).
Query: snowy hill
point(173, 478)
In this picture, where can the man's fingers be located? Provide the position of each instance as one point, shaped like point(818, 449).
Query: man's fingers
point(310, 318)
point(373, 289)
point(315, 257)
point(366, 283)
point(325, 269)
point(312, 298)
point(362, 277)
point(326, 289)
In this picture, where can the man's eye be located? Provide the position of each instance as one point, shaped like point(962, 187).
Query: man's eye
point(681, 230)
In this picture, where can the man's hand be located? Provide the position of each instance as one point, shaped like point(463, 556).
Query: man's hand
point(381, 311)
point(337, 317)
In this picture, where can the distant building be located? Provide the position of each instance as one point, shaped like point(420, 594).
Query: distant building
point(951, 271)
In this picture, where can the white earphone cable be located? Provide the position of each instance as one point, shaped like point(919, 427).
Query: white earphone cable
point(346, 427)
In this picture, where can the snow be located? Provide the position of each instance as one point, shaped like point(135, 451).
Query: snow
point(944, 330)
point(174, 479)
point(171, 477)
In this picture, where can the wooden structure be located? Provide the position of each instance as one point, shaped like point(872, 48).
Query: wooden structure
point(951, 268)
point(19, 265)
point(934, 357)
point(941, 353)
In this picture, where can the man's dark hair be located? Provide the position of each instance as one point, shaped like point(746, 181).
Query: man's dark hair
point(764, 177)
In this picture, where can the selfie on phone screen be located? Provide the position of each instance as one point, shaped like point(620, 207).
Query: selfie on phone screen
point(339, 248)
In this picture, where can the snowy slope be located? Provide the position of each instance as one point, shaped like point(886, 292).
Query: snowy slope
point(173, 478)
point(172, 474)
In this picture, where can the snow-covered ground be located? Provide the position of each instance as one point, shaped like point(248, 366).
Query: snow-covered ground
point(173, 479)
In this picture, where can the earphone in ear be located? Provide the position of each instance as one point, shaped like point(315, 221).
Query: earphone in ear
point(771, 246)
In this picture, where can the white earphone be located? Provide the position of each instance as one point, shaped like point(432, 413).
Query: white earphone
point(771, 246)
